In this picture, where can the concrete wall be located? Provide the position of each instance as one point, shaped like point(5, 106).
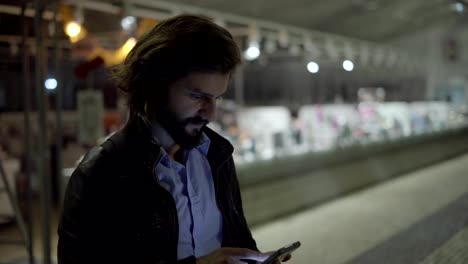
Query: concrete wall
point(446, 78)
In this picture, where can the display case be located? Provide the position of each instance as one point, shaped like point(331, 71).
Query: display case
point(326, 127)
point(265, 132)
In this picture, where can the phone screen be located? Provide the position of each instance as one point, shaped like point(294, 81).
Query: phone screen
point(282, 252)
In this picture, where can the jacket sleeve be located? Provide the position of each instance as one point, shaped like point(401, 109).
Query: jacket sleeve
point(77, 244)
point(70, 244)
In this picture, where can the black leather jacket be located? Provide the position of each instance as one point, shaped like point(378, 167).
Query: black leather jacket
point(116, 212)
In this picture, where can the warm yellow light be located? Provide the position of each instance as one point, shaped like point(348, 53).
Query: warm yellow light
point(114, 57)
point(128, 46)
point(72, 29)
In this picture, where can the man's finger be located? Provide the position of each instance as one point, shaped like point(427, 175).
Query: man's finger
point(286, 258)
point(245, 253)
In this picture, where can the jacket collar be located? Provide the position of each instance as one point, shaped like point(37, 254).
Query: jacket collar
point(220, 148)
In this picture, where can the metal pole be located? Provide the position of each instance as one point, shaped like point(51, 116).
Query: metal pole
point(58, 105)
point(239, 85)
point(27, 148)
point(42, 161)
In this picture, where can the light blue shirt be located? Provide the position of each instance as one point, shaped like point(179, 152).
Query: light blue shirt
point(191, 185)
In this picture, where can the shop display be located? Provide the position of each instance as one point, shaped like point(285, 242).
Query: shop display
point(264, 132)
point(269, 132)
point(327, 126)
point(379, 121)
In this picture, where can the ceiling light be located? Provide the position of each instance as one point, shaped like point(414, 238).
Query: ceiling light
point(50, 84)
point(252, 52)
point(128, 23)
point(348, 65)
point(72, 29)
point(253, 39)
point(313, 67)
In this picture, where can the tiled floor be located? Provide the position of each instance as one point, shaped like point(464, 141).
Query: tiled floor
point(453, 251)
point(359, 227)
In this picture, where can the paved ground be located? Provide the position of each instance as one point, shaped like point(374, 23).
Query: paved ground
point(443, 231)
point(421, 217)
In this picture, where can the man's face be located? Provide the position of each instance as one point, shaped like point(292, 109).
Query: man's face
point(191, 105)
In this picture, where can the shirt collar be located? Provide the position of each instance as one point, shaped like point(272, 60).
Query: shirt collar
point(204, 144)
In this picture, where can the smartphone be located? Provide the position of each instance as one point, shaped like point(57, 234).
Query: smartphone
point(282, 252)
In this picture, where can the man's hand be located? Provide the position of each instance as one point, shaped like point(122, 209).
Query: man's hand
point(232, 256)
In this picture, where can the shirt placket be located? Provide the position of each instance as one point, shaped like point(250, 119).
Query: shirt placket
point(196, 209)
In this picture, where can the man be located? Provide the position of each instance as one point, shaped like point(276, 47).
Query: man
point(164, 188)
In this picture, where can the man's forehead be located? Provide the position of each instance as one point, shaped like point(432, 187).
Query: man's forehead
point(209, 84)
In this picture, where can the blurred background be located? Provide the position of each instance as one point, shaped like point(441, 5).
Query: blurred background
point(349, 119)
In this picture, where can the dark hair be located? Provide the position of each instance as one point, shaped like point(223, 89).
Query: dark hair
point(171, 50)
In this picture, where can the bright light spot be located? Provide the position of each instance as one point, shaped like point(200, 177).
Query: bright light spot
point(459, 7)
point(128, 46)
point(348, 65)
point(252, 52)
point(50, 84)
point(128, 22)
point(312, 67)
point(72, 29)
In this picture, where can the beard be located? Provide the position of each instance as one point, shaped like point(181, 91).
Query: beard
point(176, 128)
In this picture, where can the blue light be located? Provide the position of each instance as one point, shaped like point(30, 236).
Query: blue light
point(50, 84)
